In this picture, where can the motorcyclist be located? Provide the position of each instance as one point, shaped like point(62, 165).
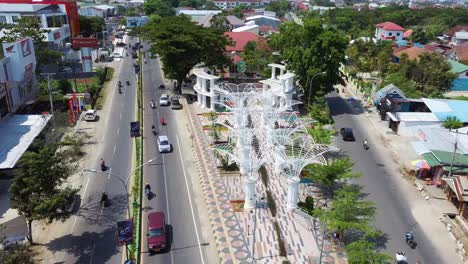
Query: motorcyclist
point(147, 189)
point(364, 143)
point(104, 198)
point(128, 82)
point(152, 104)
point(162, 121)
point(120, 83)
point(409, 236)
point(103, 164)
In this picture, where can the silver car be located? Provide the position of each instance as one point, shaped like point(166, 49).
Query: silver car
point(164, 100)
point(163, 144)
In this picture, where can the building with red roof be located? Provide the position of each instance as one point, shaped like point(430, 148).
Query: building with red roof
point(389, 31)
point(240, 39)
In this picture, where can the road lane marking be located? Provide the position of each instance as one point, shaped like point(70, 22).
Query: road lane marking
point(120, 116)
point(118, 131)
point(167, 202)
point(190, 201)
point(115, 147)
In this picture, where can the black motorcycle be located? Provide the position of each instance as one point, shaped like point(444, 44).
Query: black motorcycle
point(128, 82)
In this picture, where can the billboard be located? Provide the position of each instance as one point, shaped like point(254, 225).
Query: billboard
point(124, 232)
point(84, 43)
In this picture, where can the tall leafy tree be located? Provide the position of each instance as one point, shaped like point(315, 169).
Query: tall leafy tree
point(349, 211)
point(257, 55)
point(181, 44)
point(363, 251)
point(38, 191)
point(158, 7)
point(91, 25)
point(336, 170)
point(219, 21)
point(279, 7)
point(419, 35)
point(26, 27)
point(309, 49)
point(14, 254)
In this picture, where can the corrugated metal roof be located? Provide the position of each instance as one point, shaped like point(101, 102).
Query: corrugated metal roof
point(444, 108)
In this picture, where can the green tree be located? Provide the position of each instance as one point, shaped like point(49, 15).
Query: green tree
point(47, 56)
point(321, 135)
point(320, 111)
point(349, 211)
point(189, 3)
point(158, 7)
point(25, 27)
point(279, 7)
point(219, 21)
point(336, 170)
point(363, 251)
point(91, 25)
point(452, 122)
point(14, 254)
point(210, 5)
point(237, 11)
point(324, 52)
point(419, 35)
point(181, 45)
point(38, 191)
point(257, 56)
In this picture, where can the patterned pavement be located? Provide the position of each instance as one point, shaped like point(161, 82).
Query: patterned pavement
point(242, 235)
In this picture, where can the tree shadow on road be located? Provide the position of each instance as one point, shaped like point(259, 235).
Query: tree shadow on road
point(340, 106)
point(87, 247)
point(94, 214)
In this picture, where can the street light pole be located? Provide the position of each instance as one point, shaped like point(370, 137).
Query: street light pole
point(311, 80)
point(50, 98)
point(124, 183)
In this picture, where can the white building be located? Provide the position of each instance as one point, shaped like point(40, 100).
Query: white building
point(210, 91)
point(230, 4)
point(460, 37)
point(389, 31)
point(103, 11)
point(17, 75)
point(248, 27)
point(51, 17)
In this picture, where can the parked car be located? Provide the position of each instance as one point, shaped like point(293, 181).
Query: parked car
point(90, 115)
point(157, 240)
point(163, 144)
point(65, 69)
point(164, 99)
point(347, 134)
point(175, 103)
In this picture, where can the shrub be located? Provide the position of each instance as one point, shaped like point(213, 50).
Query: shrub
point(452, 122)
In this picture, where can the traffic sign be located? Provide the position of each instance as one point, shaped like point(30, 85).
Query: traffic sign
point(241, 66)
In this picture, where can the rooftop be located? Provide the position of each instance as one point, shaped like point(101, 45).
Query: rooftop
point(413, 52)
point(457, 67)
point(462, 51)
point(390, 26)
point(240, 39)
point(461, 35)
point(451, 32)
point(444, 108)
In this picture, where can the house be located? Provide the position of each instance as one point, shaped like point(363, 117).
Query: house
point(412, 52)
point(248, 27)
point(230, 4)
point(103, 11)
point(263, 20)
point(460, 37)
point(408, 34)
point(438, 48)
point(461, 81)
point(235, 21)
point(389, 31)
point(449, 34)
point(18, 84)
point(240, 39)
point(459, 53)
point(390, 99)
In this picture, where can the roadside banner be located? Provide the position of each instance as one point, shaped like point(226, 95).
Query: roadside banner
point(125, 232)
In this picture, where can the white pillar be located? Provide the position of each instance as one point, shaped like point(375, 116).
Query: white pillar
point(199, 101)
point(293, 191)
point(249, 190)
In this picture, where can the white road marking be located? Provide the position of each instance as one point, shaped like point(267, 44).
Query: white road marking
point(120, 116)
point(118, 131)
point(190, 201)
point(167, 200)
point(115, 148)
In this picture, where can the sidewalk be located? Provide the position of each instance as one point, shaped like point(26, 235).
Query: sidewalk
point(44, 233)
point(428, 202)
point(243, 235)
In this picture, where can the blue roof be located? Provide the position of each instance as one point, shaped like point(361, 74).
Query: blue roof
point(443, 108)
point(403, 42)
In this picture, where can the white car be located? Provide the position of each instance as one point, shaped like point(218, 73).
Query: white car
point(163, 144)
point(164, 100)
point(90, 115)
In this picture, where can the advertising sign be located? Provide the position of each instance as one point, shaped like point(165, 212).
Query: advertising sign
point(134, 129)
point(124, 232)
point(84, 43)
point(56, 35)
point(25, 47)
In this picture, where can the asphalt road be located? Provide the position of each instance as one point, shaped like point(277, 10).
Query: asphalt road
point(394, 216)
point(173, 180)
point(93, 228)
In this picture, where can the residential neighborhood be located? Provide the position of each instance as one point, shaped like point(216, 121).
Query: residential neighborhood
point(236, 131)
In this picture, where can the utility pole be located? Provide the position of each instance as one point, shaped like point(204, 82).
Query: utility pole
point(50, 98)
point(453, 154)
